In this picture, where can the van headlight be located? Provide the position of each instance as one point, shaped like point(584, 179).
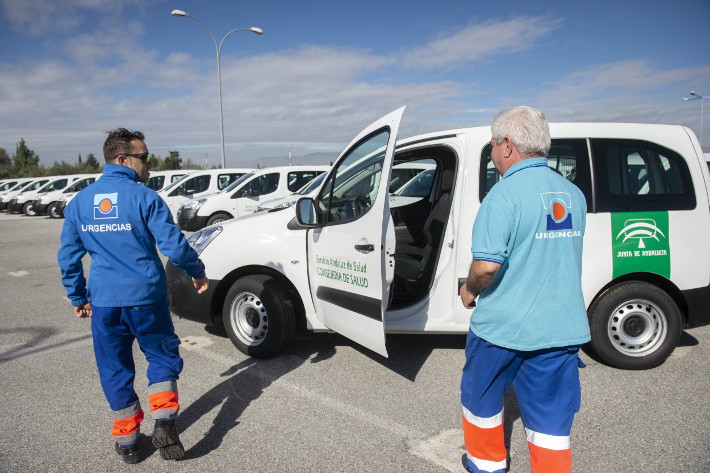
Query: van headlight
point(194, 204)
point(201, 238)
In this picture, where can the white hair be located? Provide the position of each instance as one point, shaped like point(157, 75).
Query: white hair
point(526, 127)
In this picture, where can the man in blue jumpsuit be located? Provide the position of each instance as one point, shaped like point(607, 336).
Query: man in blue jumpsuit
point(119, 222)
point(530, 319)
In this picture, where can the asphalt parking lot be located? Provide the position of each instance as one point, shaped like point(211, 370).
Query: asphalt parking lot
point(326, 405)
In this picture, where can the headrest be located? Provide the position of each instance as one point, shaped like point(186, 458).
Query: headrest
point(447, 180)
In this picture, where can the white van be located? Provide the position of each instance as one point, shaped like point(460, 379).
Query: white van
point(345, 261)
point(12, 197)
point(24, 201)
point(159, 180)
point(47, 202)
point(198, 183)
point(7, 195)
point(289, 200)
point(243, 196)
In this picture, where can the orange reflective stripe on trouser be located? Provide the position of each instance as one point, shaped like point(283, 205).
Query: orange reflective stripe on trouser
point(126, 424)
point(484, 441)
point(163, 400)
point(549, 453)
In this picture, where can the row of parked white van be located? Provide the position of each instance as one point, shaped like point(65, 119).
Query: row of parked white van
point(195, 198)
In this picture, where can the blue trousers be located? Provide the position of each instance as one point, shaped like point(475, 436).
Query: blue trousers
point(114, 329)
point(548, 391)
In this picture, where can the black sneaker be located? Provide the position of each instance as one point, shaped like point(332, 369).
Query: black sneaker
point(165, 437)
point(130, 454)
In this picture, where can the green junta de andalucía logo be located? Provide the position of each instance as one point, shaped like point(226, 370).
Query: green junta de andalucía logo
point(641, 243)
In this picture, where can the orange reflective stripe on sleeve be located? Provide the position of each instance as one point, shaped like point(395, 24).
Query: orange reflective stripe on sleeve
point(545, 460)
point(126, 426)
point(164, 400)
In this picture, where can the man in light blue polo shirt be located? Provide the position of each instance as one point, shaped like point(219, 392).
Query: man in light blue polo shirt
point(530, 318)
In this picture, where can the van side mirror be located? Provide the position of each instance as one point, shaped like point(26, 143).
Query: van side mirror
point(306, 212)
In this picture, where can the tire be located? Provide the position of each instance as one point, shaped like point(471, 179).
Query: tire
point(259, 316)
point(635, 325)
point(28, 209)
point(218, 218)
point(53, 210)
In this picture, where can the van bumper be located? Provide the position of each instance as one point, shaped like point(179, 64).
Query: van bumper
point(189, 221)
point(698, 306)
point(39, 207)
point(185, 302)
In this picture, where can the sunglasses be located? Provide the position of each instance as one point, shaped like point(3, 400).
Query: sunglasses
point(145, 157)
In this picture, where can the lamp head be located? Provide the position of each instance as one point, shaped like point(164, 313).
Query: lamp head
point(178, 13)
point(256, 30)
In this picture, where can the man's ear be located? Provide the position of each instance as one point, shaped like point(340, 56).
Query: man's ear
point(508, 151)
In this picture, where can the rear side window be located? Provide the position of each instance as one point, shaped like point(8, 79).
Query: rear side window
point(636, 175)
point(224, 180)
point(298, 179)
point(567, 157)
point(156, 183)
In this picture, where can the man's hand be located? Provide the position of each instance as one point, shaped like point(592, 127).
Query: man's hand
point(201, 285)
point(83, 311)
point(468, 299)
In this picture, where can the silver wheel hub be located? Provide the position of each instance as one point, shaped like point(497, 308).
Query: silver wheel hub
point(248, 318)
point(637, 327)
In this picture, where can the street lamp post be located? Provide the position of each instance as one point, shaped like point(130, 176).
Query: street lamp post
point(253, 29)
point(701, 98)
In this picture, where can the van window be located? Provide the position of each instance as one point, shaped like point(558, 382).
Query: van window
point(155, 182)
point(192, 185)
point(261, 185)
point(352, 188)
point(567, 157)
point(224, 180)
point(635, 175)
point(79, 185)
point(298, 179)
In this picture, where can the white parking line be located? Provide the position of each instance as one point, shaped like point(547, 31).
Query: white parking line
point(18, 274)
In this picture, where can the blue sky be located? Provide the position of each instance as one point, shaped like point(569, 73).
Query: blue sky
point(323, 70)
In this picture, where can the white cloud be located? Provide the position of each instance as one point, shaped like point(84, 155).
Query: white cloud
point(480, 41)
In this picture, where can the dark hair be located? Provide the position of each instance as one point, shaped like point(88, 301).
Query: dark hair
point(119, 142)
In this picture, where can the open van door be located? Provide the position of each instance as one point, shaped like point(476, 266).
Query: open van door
point(351, 245)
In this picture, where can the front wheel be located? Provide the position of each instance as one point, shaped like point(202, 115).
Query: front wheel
point(218, 218)
point(634, 325)
point(53, 210)
point(259, 316)
point(28, 209)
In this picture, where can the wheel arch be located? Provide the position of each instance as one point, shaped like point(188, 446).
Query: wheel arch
point(651, 278)
point(222, 289)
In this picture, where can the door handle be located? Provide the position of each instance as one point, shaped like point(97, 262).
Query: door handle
point(365, 247)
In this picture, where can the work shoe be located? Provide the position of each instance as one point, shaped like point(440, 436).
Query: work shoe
point(165, 438)
point(130, 454)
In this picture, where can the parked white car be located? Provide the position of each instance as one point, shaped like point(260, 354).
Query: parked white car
point(197, 184)
point(346, 261)
point(244, 195)
point(46, 202)
point(9, 201)
point(25, 200)
point(11, 187)
point(159, 180)
point(289, 200)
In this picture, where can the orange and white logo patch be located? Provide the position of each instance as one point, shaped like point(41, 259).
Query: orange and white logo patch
point(106, 206)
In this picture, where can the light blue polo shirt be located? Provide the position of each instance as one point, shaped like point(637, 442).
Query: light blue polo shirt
point(532, 222)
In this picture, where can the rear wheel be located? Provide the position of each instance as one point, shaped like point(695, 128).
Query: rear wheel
point(634, 325)
point(218, 218)
point(259, 316)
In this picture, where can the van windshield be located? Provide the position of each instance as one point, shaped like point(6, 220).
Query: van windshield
point(175, 184)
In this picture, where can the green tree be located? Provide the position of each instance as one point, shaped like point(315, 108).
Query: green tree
point(5, 164)
point(92, 164)
point(173, 161)
point(25, 160)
